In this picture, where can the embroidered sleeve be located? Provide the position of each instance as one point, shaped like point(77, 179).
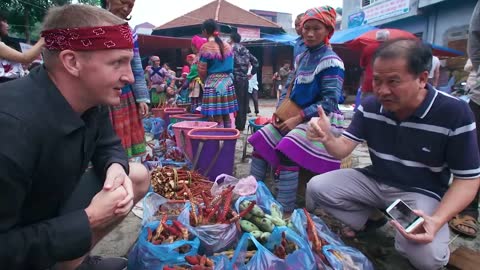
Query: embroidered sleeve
point(140, 91)
point(330, 84)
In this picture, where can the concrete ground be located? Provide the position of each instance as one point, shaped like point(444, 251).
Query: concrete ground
point(378, 245)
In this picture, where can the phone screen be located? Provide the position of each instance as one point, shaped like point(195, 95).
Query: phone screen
point(403, 214)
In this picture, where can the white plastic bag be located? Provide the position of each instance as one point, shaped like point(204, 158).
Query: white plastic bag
point(243, 187)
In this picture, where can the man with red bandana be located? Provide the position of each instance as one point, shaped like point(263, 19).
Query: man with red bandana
point(53, 208)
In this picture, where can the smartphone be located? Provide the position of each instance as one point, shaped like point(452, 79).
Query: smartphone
point(404, 215)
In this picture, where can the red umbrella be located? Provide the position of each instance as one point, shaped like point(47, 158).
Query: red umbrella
point(370, 37)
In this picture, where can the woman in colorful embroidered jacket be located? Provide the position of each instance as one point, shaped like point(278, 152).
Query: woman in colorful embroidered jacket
point(215, 69)
point(126, 117)
point(318, 82)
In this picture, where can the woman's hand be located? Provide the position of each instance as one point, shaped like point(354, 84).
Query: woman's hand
point(143, 109)
point(289, 124)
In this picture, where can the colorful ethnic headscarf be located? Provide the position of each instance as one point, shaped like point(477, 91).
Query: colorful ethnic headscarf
point(324, 14)
point(198, 41)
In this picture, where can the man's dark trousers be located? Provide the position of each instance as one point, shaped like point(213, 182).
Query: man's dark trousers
point(241, 90)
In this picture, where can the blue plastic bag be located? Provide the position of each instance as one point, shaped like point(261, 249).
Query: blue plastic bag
point(263, 258)
point(302, 258)
point(147, 124)
point(146, 255)
point(263, 197)
point(158, 126)
point(220, 262)
point(346, 258)
point(213, 238)
point(299, 221)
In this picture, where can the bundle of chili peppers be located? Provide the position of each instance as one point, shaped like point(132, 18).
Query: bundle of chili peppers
point(217, 210)
point(286, 247)
point(174, 183)
point(197, 262)
point(317, 242)
point(175, 154)
point(167, 234)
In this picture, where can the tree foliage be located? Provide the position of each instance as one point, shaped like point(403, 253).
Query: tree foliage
point(24, 16)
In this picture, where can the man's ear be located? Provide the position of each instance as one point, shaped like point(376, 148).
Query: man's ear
point(70, 61)
point(423, 79)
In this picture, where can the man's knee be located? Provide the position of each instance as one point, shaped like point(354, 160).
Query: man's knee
point(140, 179)
point(315, 192)
point(430, 256)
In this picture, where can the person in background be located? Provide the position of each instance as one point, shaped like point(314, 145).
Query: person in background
point(318, 82)
point(434, 73)
point(195, 84)
point(252, 91)
point(54, 208)
point(466, 222)
point(183, 89)
point(10, 58)
point(366, 61)
point(215, 68)
point(242, 58)
point(283, 74)
point(409, 162)
point(299, 46)
point(472, 75)
point(126, 117)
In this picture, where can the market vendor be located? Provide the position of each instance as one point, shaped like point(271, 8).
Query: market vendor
point(318, 82)
point(416, 143)
point(53, 209)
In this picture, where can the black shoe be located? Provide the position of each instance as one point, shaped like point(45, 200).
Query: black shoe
point(100, 263)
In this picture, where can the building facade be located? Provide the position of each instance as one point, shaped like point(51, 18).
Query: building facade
point(442, 22)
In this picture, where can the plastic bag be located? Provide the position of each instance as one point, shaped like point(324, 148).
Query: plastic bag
point(346, 258)
point(213, 238)
point(146, 255)
point(153, 202)
point(243, 187)
point(158, 125)
point(263, 197)
point(302, 258)
point(219, 263)
point(147, 124)
point(263, 258)
point(299, 221)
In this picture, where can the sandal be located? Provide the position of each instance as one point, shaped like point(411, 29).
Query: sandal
point(466, 221)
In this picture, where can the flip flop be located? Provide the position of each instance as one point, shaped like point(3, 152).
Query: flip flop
point(466, 221)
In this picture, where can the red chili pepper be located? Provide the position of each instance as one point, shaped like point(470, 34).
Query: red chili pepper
point(193, 260)
point(226, 207)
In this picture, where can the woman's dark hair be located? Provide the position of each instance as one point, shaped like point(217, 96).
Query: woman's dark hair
point(9, 41)
point(417, 54)
point(235, 37)
point(210, 26)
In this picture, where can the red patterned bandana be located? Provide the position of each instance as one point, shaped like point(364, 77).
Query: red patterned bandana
point(89, 38)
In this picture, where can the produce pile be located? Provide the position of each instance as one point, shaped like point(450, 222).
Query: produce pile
point(179, 184)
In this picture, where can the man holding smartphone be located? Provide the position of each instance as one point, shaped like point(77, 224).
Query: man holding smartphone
point(417, 137)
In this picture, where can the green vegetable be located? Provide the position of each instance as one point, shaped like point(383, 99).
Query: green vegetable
point(257, 234)
point(276, 221)
point(264, 237)
point(256, 211)
point(263, 223)
point(248, 226)
point(275, 211)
